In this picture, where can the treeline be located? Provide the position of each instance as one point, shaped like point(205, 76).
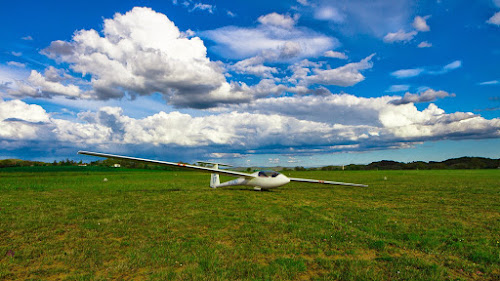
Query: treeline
point(26, 163)
point(131, 165)
point(20, 163)
point(455, 163)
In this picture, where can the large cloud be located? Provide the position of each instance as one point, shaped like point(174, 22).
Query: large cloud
point(240, 130)
point(276, 35)
point(393, 120)
point(333, 109)
point(304, 124)
point(140, 53)
point(21, 121)
point(408, 123)
point(275, 40)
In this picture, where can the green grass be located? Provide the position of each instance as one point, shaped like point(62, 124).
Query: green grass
point(154, 225)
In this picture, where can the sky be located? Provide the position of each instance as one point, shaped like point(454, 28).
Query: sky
point(260, 83)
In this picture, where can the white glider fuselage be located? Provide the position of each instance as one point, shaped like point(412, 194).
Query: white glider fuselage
point(259, 180)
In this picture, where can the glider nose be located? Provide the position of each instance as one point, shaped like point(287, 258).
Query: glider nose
point(284, 179)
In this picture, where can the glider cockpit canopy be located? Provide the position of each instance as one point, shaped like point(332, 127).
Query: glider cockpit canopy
point(268, 174)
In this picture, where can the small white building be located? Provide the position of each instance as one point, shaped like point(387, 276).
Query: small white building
point(116, 166)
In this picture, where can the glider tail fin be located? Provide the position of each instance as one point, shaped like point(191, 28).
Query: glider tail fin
point(214, 181)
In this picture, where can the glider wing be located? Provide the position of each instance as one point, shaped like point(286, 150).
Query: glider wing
point(327, 182)
point(171, 164)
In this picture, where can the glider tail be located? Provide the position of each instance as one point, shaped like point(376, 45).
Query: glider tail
point(214, 181)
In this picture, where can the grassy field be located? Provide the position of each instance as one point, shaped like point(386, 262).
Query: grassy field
point(154, 225)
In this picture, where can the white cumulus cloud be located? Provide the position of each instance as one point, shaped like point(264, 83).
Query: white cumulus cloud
point(334, 54)
point(407, 73)
point(21, 121)
point(38, 86)
point(453, 65)
point(420, 23)
point(424, 44)
point(427, 96)
point(141, 52)
point(276, 19)
point(306, 124)
point(276, 33)
point(495, 19)
point(16, 64)
point(380, 118)
point(255, 66)
point(346, 75)
point(399, 36)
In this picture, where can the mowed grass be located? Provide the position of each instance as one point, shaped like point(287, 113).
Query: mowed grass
point(155, 225)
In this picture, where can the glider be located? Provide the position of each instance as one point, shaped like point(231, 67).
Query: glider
point(259, 180)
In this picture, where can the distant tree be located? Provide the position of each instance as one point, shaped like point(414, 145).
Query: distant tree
point(385, 165)
point(437, 166)
point(419, 165)
point(354, 167)
point(331, 168)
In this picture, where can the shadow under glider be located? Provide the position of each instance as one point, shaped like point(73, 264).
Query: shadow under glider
point(259, 180)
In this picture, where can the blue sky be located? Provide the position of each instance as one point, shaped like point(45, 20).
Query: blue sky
point(264, 83)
